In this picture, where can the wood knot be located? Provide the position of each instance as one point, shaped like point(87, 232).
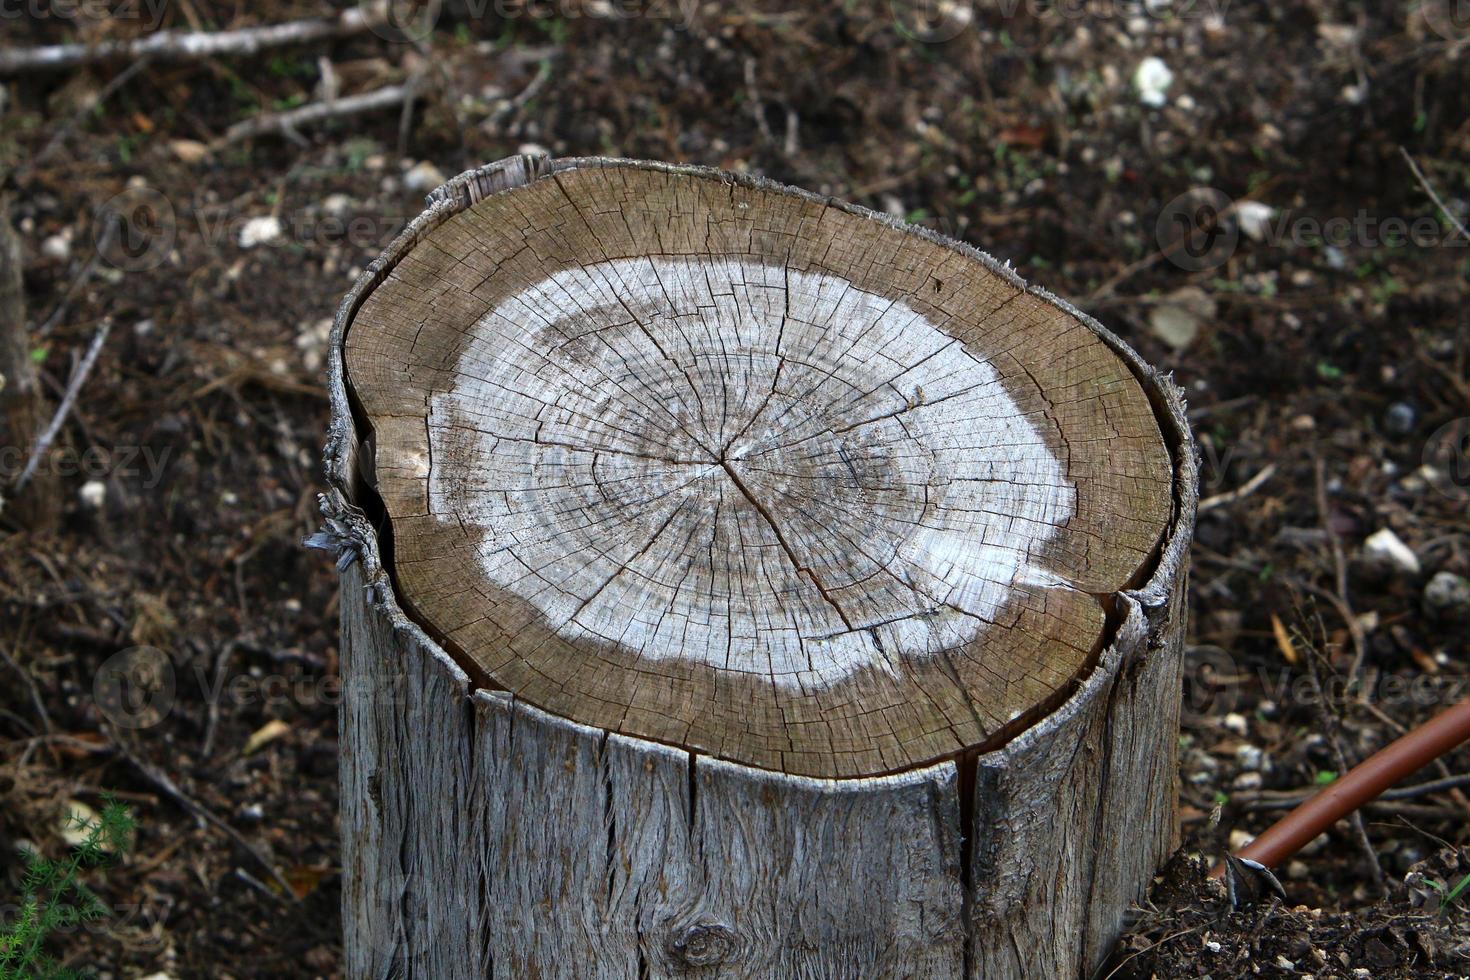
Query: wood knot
point(704, 944)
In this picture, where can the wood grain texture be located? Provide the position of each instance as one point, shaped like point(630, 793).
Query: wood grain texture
point(484, 837)
point(725, 466)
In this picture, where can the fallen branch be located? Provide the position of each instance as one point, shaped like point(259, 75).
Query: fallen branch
point(1244, 490)
point(203, 814)
point(290, 121)
point(74, 386)
point(192, 45)
point(1434, 196)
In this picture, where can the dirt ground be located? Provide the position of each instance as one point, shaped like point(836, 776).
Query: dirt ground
point(1324, 360)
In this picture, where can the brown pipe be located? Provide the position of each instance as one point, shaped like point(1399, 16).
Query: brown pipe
point(1358, 785)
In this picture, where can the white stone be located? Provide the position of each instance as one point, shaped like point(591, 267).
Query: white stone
point(260, 231)
point(1384, 545)
point(336, 205)
point(423, 177)
point(57, 247)
point(1152, 79)
point(1255, 219)
point(93, 494)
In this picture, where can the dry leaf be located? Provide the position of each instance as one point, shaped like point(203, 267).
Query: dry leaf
point(1283, 640)
point(266, 734)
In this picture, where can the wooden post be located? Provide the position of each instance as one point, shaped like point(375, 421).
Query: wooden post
point(740, 583)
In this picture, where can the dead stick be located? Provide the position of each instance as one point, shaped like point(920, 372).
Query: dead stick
point(64, 409)
point(36, 701)
point(191, 45)
point(197, 810)
point(1434, 196)
point(290, 121)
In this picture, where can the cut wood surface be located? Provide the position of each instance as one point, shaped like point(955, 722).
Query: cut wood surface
point(727, 466)
point(738, 584)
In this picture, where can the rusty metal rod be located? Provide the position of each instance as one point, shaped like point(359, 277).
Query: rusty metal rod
point(1358, 785)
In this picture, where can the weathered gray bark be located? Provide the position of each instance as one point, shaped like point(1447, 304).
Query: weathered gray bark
point(483, 837)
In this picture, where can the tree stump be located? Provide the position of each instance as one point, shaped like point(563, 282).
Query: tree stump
point(746, 585)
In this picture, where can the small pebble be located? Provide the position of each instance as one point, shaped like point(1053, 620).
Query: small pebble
point(1239, 839)
point(423, 177)
point(1236, 724)
point(1385, 546)
point(1447, 596)
point(57, 247)
point(1247, 781)
point(93, 494)
point(1400, 418)
point(1152, 80)
point(1255, 219)
point(188, 151)
point(1250, 758)
point(260, 231)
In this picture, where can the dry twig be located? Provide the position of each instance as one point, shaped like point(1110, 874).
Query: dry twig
point(74, 386)
point(290, 121)
point(191, 45)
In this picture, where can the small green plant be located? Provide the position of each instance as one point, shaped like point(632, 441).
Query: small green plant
point(53, 897)
point(1453, 893)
